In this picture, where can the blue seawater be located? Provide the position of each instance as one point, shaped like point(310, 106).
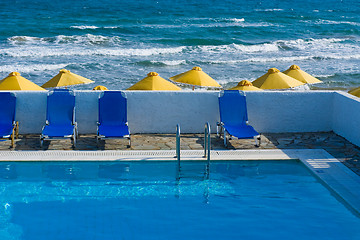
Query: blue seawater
point(117, 42)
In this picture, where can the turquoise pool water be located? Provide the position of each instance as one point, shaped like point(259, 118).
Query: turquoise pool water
point(142, 200)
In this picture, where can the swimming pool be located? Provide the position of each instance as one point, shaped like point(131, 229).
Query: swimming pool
point(142, 200)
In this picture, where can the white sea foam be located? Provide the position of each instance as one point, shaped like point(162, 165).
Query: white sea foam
point(89, 39)
point(236, 19)
point(323, 75)
point(258, 60)
point(266, 47)
point(308, 43)
point(270, 10)
point(330, 22)
point(41, 51)
point(27, 68)
point(170, 63)
point(232, 48)
point(298, 44)
point(84, 27)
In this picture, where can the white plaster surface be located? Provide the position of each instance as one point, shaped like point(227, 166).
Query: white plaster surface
point(290, 111)
point(346, 116)
point(159, 112)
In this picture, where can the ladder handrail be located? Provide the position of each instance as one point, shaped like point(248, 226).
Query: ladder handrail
point(178, 151)
point(207, 147)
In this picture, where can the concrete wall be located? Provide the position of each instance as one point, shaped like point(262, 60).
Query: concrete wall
point(159, 112)
point(290, 111)
point(346, 117)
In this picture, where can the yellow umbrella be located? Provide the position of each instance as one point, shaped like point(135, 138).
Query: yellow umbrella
point(66, 78)
point(100, 88)
point(16, 82)
point(274, 79)
point(197, 77)
point(245, 85)
point(295, 72)
point(355, 92)
point(154, 82)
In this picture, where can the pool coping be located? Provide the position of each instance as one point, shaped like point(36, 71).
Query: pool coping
point(340, 179)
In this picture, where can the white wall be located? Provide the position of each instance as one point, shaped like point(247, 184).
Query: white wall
point(346, 117)
point(159, 112)
point(290, 111)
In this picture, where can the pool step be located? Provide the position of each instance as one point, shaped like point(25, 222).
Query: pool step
point(193, 170)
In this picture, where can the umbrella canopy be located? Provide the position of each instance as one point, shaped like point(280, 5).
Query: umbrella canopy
point(245, 85)
point(100, 88)
point(355, 92)
point(274, 79)
point(16, 82)
point(197, 77)
point(295, 72)
point(66, 78)
point(154, 82)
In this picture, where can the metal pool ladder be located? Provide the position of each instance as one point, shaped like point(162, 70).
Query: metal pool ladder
point(207, 146)
point(178, 152)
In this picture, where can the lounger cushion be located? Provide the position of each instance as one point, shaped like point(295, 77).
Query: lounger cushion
point(5, 130)
point(110, 131)
point(53, 130)
point(241, 131)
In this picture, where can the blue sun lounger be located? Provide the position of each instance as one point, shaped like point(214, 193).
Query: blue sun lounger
point(60, 116)
point(8, 127)
point(113, 116)
point(234, 118)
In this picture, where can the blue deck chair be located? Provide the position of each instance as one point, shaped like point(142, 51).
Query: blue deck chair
point(60, 116)
point(8, 127)
point(234, 118)
point(113, 116)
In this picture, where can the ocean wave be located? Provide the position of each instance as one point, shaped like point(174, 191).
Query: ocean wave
point(31, 67)
point(162, 63)
point(57, 46)
point(330, 22)
point(312, 43)
point(287, 45)
point(232, 48)
point(56, 52)
point(82, 27)
point(324, 75)
point(235, 19)
point(256, 60)
point(270, 10)
point(87, 39)
point(279, 59)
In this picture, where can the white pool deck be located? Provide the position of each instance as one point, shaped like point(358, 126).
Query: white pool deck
point(336, 176)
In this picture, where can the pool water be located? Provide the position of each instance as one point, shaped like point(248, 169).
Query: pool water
point(142, 200)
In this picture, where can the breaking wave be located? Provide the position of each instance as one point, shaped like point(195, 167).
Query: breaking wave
point(87, 39)
point(24, 68)
point(330, 22)
point(162, 63)
point(97, 45)
point(41, 51)
point(84, 27)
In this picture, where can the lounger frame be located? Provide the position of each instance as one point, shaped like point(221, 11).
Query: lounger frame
point(222, 131)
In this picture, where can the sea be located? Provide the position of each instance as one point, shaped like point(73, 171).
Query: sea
point(116, 43)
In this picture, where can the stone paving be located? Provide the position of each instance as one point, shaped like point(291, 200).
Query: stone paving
point(337, 146)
